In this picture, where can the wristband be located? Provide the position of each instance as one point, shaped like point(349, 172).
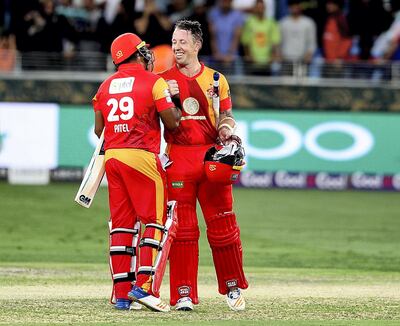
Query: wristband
point(177, 102)
point(230, 118)
point(227, 126)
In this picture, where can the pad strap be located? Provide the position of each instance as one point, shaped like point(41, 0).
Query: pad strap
point(122, 250)
point(148, 270)
point(124, 277)
point(150, 243)
point(123, 230)
point(156, 226)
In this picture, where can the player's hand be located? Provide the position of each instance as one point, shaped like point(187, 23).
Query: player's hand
point(224, 135)
point(232, 138)
point(173, 87)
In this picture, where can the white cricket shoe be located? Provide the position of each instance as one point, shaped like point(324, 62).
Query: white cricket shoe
point(150, 301)
point(135, 306)
point(235, 300)
point(184, 304)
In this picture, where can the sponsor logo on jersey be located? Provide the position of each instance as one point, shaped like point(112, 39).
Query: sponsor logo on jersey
point(177, 184)
point(121, 85)
point(184, 291)
point(191, 105)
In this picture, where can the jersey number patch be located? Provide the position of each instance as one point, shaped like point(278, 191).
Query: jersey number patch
point(122, 109)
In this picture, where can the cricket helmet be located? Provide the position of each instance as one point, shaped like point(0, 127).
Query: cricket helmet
point(127, 44)
point(223, 163)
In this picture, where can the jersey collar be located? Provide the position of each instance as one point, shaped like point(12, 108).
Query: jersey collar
point(130, 66)
point(193, 77)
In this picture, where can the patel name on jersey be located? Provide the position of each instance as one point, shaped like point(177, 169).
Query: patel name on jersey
point(121, 127)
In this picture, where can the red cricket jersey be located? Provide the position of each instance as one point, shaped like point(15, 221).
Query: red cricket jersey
point(129, 101)
point(198, 123)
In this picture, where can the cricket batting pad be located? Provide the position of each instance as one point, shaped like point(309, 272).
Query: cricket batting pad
point(224, 238)
point(123, 242)
point(163, 247)
point(184, 256)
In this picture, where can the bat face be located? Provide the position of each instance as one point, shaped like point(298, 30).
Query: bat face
point(93, 176)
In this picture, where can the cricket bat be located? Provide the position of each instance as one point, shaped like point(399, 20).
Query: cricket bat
point(93, 176)
point(215, 98)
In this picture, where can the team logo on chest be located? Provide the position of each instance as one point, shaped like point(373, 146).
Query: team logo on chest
point(191, 105)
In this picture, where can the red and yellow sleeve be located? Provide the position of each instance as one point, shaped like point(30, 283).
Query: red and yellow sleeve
point(95, 103)
point(224, 94)
point(161, 95)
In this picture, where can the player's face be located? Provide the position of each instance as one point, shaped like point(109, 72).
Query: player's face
point(184, 47)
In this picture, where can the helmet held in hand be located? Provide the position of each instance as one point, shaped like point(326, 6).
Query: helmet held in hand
point(223, 163)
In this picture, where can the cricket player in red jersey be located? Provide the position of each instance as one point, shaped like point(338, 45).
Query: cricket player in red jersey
point(128, 105)
point(199, 129)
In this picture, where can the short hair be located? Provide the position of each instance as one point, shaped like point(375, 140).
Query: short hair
point(192, 26)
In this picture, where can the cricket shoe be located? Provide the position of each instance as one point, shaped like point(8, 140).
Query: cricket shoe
point(184, 304)
point(235, 300)
point(150, 301)
point(126, 304)
point(122, 304)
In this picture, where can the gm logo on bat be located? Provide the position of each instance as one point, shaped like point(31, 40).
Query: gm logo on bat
point(84, 199)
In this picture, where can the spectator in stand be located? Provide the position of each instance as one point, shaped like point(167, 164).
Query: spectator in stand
point(46, 32)
point(248, 5)
point(7, 52)
point(179, 9)
point(261, 39)
point(153, 25)
point(200, 9)
point(361, 14)
point(299, 36)
point(336, 38)
point(226, 29)
point(5, 15)
point(386, 44)
point(386, 47)
point(114, 21)
point(316, 10)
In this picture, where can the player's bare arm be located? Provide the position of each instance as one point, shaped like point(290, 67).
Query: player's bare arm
point(171, 118)
point(226, 126)
point(98, 123)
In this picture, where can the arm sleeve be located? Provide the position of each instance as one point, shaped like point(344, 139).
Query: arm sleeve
point(224, 94)
point(161, 95)
point(95, 102)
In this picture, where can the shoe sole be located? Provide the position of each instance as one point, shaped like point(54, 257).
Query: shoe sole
point(184, 309)
point(137, 306)
point(152, 308)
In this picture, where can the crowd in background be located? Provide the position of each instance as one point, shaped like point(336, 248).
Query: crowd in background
point(244, 36)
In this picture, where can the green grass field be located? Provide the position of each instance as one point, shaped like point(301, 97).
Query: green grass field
point(311, 258)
